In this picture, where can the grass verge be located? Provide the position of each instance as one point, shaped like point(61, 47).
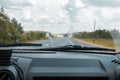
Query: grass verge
point(109, 43)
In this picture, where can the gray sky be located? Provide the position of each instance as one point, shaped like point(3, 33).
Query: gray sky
point(59, 16)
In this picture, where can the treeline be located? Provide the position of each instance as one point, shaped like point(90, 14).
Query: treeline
point(33, 35)
point(98, 34)
point(11, 31)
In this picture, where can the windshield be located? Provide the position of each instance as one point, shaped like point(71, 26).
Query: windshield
point(54, 23)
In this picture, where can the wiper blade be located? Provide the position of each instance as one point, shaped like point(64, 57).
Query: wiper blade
point(61, 48)
point(78, 47)
point(20, 44)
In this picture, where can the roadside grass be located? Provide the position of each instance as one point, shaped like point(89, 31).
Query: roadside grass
point(109, 43)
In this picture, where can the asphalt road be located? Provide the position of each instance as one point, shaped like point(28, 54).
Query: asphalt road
point(55, 42)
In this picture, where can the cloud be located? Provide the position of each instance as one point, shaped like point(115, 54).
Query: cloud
point(20, 3)
point(108, 15)
point(50, 15)
point(26, 20)
point(115, 18)
point(102, 3)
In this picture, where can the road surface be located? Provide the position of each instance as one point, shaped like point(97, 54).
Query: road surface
point(55, 42)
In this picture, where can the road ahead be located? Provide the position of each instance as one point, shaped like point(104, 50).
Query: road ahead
point(61, 42)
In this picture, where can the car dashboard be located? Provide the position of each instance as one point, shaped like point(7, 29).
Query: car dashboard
point(46, 65)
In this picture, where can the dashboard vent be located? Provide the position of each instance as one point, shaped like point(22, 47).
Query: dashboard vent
point(34, 52)
point(6, 75)
point(5, 56)
point(115, 62)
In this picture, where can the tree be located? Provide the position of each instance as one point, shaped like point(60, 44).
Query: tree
point(102, 34)
point(18, 30)
point(2, 9)
point(12, 31)
point(4, 28)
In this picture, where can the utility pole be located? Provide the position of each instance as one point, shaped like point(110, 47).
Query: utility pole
point(94, 35)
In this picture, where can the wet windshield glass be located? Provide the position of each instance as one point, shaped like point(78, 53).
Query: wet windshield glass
point(55, 23)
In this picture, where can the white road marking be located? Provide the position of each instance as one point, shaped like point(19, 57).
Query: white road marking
point(70, 41)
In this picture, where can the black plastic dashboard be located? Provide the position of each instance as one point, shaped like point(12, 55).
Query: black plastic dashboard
point(63, 65)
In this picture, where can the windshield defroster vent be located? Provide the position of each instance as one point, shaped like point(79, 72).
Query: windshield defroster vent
point(71, 78)
point(35, 52)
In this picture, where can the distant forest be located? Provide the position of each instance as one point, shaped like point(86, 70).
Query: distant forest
point(11, 31)
point(98, 34)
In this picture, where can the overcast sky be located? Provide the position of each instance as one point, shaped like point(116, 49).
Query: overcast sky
point(59, 16)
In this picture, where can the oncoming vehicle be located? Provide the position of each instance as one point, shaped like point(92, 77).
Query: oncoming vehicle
point(59, 39)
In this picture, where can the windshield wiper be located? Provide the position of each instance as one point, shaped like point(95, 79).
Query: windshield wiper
point(77, 47)
point(68, 48)
point(19, 44)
